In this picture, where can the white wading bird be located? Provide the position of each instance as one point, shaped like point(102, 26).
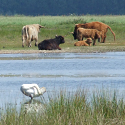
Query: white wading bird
point(32, 90)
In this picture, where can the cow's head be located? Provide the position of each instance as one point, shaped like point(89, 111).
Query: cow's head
point(60, 39)
point(75, 30)
point(89, 41)
point(74, 34)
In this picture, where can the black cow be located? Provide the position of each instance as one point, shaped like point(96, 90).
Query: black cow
point(51, 44)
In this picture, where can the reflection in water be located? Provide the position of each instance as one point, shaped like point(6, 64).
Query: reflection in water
point(34, 106)
point(60, 70)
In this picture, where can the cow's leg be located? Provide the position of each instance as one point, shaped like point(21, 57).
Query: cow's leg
point(23, 41)
point(98, 39)
point(94, 42)
point(22, 44)
point(36, 43)
point(104, 38)
point(29, 43)
point(59, 48)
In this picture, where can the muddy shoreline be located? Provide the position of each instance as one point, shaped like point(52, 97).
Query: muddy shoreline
point(96, 49)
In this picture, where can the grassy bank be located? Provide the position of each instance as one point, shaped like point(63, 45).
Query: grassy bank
point(11, 38)
point(71, 109)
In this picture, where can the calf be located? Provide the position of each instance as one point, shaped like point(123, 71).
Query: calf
point(86, 42)
point(51, 44)
point(96, 25)
point(88, 33)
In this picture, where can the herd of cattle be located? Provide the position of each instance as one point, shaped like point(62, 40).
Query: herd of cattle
point(91, 31)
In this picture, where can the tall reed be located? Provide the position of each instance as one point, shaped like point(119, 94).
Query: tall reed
point(74, 108)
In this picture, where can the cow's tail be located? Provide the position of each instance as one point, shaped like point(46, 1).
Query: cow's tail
point(27, 34)
point(112, 32)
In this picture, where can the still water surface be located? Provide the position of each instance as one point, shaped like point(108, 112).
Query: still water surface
point(57, 71)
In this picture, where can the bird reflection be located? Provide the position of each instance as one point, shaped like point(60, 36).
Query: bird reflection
point(34, 106)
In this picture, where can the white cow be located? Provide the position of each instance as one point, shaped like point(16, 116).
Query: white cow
point(30, 33)
point(32, 90)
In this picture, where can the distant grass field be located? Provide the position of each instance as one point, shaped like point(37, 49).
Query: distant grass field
point(11, 28)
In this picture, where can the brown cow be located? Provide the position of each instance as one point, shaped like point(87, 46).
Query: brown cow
point(95, 25)
point(30, 33)
point(86, 42)
point(88, 33)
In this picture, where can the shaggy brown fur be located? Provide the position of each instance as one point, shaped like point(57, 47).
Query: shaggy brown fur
point(88, 33)
point(96, 25)
point(86, 42)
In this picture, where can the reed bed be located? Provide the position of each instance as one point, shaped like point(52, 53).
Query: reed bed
point(71, 109)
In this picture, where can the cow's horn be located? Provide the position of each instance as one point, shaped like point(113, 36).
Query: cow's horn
point(71, 32)
point(41, 26)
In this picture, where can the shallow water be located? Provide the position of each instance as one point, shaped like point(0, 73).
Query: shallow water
point(57, 71)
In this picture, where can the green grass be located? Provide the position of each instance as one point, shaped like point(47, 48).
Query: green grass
point(11, 26)
point(71, 108)
point(65, 109)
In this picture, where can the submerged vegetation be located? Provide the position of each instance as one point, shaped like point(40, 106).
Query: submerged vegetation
point(71, 109)
point(11, 28)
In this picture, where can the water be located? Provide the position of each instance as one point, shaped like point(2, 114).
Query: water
point(57, 71)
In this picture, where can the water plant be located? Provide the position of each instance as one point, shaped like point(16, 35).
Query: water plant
point(71, 108)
